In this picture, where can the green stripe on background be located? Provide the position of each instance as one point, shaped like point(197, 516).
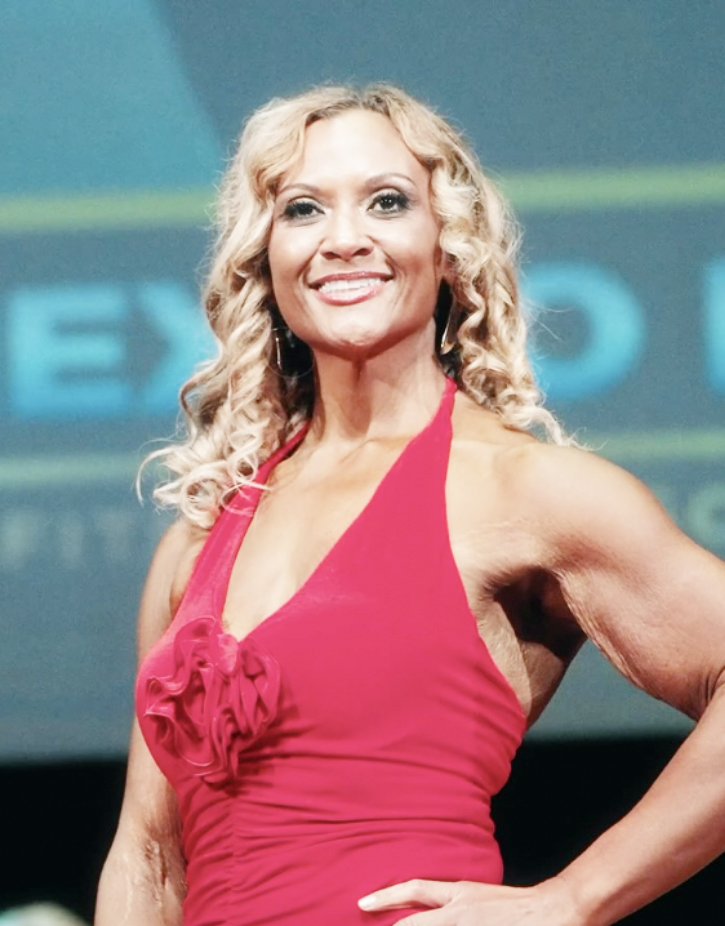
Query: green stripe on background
point(692, 446)
point(545, 191)
point(133, 210)
point(640, 187)
point(85, 469)
point(682, 446)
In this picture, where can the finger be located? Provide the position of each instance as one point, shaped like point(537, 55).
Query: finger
point(417, 891)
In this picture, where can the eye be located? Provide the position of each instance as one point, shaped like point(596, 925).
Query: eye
point(390, 202)
point(301, 209)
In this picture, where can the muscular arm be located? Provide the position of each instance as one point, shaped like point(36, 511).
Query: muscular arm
point(654, 603)
point(142, 883)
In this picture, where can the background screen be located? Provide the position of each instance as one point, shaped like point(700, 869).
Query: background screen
point(603, 122)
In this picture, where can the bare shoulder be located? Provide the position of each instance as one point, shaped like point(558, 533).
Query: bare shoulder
point(480, 436)
point(480, 426)
point(488, 521)
point(574, 495)
point(564, 495)
point(167, 578)
point(484, 448)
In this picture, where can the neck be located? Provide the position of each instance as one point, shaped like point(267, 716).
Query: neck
point(390, 395)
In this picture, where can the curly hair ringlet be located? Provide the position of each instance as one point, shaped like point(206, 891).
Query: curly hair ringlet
point(239, 406)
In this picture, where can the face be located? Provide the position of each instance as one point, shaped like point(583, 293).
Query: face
point(354, 248)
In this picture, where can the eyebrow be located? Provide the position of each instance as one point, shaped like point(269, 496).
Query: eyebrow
point(371, 182)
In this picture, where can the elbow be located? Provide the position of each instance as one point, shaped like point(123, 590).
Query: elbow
point(711, 695)
point(717, 687)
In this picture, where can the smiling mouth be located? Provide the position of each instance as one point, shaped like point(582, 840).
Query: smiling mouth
point(350, 285)
point(347, 290)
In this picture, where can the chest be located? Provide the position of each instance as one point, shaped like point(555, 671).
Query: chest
point(297, 529)
point(306, 530)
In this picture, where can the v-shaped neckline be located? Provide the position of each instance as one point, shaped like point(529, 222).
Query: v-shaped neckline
point(242, 502)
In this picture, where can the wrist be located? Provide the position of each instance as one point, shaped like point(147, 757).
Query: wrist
point(563, 902)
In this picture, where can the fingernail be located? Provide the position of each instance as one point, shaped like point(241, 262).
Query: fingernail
point(366, 903)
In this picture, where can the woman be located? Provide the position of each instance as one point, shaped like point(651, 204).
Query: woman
point(338, 697)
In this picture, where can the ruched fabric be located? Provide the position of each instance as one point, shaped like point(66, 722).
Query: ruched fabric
point(355, 737)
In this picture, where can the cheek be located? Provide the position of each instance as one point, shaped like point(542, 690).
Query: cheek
point(284, 262)
point(419, 248)
point(424, 261)
point(290, 252)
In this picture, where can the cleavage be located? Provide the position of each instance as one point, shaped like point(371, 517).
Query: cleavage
point(296, 529)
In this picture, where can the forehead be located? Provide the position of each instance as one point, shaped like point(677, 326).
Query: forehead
point(355, 143)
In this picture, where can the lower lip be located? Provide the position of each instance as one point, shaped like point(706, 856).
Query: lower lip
point(351, 296)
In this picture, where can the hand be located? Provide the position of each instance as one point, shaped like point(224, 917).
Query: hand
point(466, 903)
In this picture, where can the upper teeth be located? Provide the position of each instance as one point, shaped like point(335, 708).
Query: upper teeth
point(333, 286)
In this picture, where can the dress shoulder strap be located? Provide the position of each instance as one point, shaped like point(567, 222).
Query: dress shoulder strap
point(220, 547)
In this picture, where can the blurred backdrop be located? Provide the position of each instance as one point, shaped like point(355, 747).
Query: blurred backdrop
point(604, 123)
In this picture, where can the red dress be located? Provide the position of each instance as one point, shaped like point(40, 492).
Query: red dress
point(352, 740)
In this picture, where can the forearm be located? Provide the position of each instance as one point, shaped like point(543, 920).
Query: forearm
point(139, 889)
point(676, 829)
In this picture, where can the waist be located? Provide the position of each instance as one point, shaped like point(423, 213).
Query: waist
point(291, 796)
point(318, 876)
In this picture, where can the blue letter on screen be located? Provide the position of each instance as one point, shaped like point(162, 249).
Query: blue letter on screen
point(615, 328)
point(56, 371)
point(176, 316)
point(715, 324)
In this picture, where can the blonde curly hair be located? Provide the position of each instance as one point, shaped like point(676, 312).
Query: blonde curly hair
point(240, 406)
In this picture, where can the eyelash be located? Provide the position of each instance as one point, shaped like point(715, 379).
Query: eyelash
point(397, 202)
point(300, 209)
point(397, 199)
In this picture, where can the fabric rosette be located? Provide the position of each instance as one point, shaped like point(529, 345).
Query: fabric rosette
point(220, 697)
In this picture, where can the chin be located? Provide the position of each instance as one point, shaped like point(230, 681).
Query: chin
point(353, 341)
point(358, 342)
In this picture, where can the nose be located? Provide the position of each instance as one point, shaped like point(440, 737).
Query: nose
point(346, 236)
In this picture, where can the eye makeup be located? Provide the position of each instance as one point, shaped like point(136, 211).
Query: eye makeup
point(300, 209)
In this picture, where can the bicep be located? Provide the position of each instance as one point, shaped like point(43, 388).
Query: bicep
point(658, 617)
point(647, 595)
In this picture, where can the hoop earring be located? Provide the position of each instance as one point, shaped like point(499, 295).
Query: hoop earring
point(449, 337)
point(287, 345)
point(277, 336)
